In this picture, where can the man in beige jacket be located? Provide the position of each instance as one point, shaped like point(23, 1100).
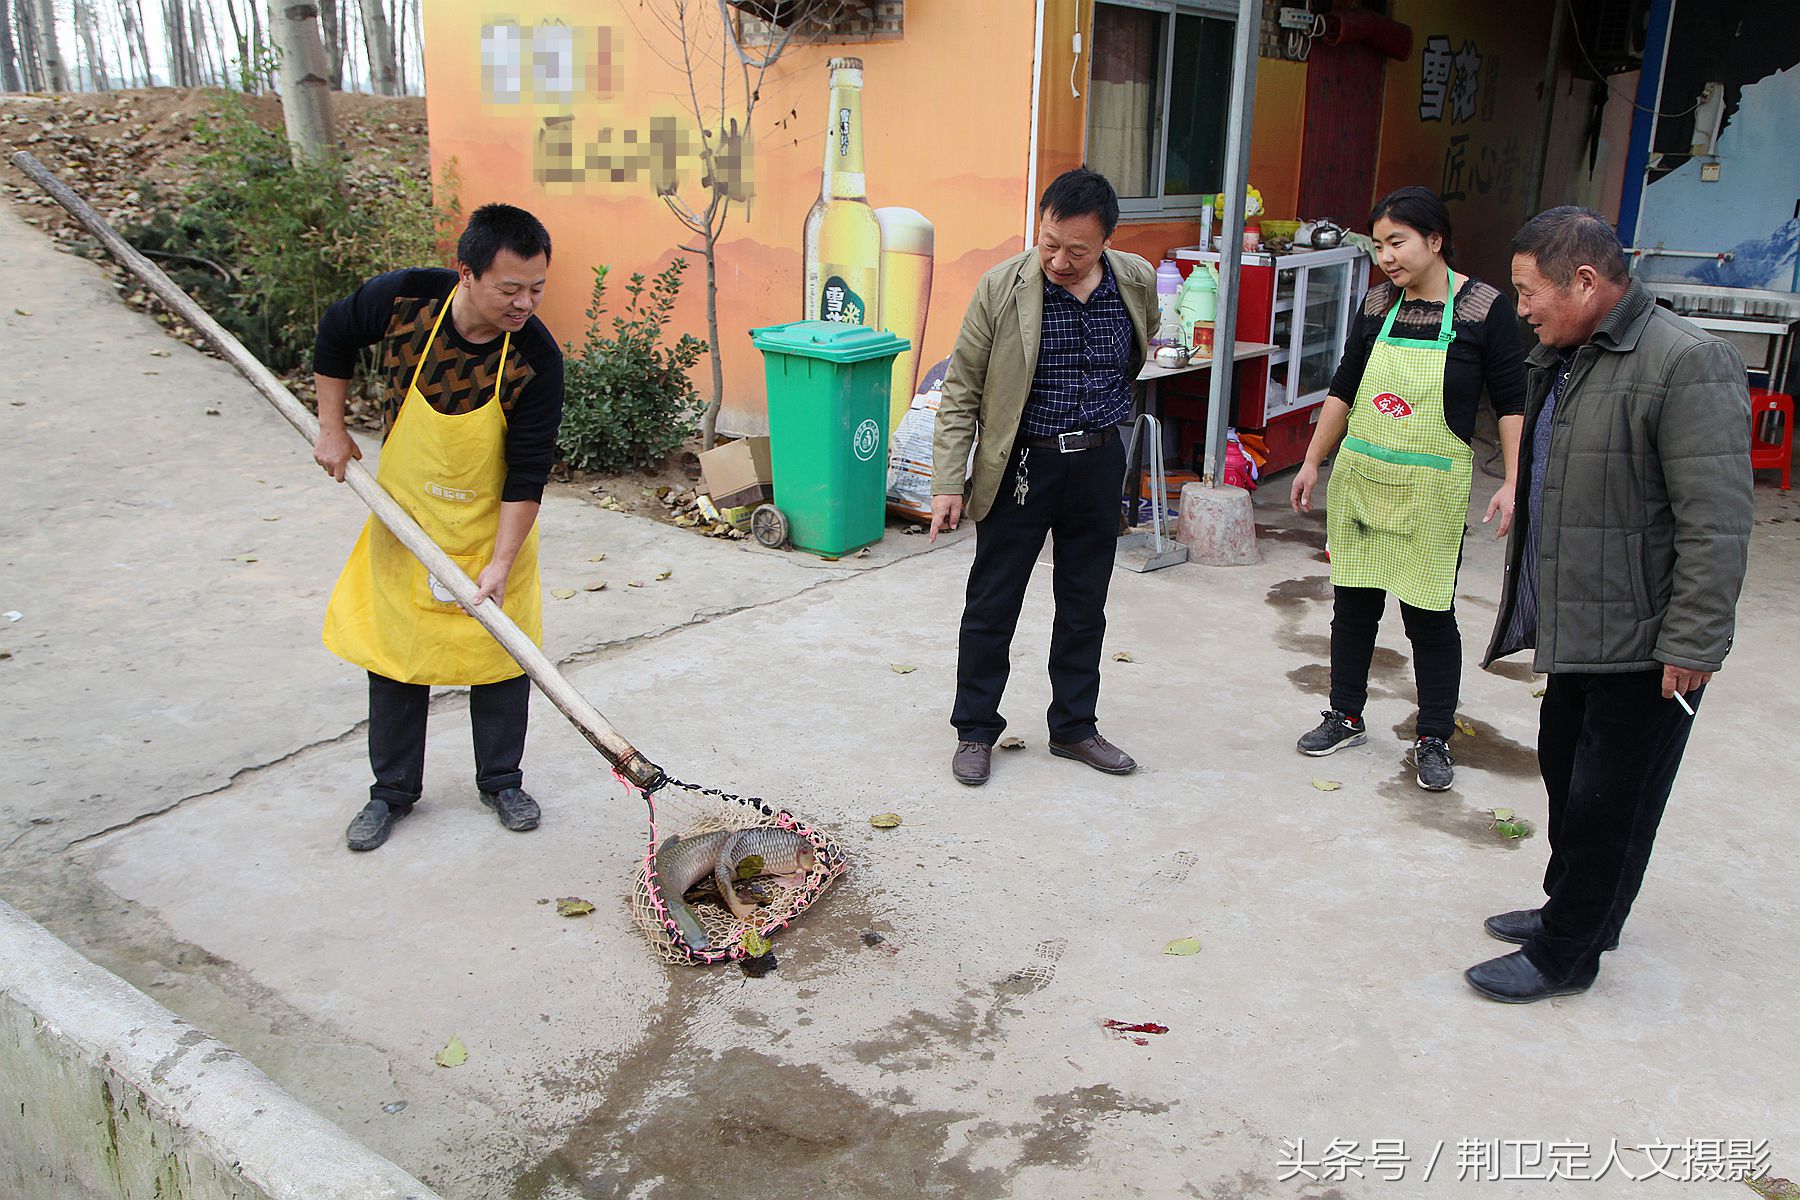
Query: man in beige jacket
point(1043, 372)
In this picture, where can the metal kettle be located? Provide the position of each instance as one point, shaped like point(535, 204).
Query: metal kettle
point(1327, 236)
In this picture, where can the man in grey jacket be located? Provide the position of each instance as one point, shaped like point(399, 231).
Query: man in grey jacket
point(1627, 554)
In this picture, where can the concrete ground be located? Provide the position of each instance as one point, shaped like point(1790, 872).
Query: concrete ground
point(183, 756)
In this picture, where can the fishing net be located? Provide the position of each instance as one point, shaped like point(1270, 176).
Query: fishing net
point(690, 811)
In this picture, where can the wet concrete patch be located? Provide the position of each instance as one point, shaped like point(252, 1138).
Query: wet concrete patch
point(1519, 670)
point(1292, 593)
point(1312, 539)
point(1442, 812)
point(1060, 1138)
point(742, 1123)
point(1487, 750)
point(1316, 679)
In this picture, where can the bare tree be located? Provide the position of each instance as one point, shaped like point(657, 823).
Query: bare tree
point(331, 28)
point(305, 82)
point(10, 77)
point(378, 42)
point(49, 54)
point(131, 16)
point(722, 102)
point(87, 34)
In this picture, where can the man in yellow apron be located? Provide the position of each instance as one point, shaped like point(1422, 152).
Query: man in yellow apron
point(473, 394)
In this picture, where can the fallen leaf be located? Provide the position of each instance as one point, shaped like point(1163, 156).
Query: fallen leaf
point(271, 518)
point(885, 820)
point(212, 412)
point(610, 504)
point(5, 654)
point(1465, 728)
point(246, 558)
point(454, 1053)
point(1183, 947)
point(159, 353)
point(1327, 785)
point(598, 585)
point(573, 906)
point(1123, 656)
point(23, 312)
point(562, 593)
point(1774, 1189)
point(1011, 743)
point(863, 553)
point(902, 668)
point(750, 866)
point(598, 558)
point(634, 583)
point(661, 575)
point(1537, 693)
point(755, 944)
point(1509, 827)
point(1502, 814)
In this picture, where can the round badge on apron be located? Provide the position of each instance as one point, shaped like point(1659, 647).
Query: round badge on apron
point(387, 614)
point(1398, 501)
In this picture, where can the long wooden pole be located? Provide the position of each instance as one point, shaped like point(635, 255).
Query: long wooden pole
point(573, 705)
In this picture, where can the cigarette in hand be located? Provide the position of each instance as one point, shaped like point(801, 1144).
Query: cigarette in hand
point(1685, 706)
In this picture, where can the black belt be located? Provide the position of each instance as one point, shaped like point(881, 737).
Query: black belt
point(1080, 439)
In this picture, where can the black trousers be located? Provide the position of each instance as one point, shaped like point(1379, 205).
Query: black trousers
point(1437, 656)
point(1074, 498)
point(397, 712)
point(1609, 746)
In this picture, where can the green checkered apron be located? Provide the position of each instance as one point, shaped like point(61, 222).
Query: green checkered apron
point(1399, 496)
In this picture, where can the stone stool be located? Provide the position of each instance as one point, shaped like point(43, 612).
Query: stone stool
point(1217, 525)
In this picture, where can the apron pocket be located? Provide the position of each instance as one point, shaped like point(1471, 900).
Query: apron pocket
point(431, 595)
point(1380, 495)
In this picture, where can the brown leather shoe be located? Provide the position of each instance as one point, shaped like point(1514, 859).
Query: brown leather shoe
point(1097, 753)
point(971, 763)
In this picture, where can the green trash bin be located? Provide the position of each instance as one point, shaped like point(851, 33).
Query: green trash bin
point(829, 385)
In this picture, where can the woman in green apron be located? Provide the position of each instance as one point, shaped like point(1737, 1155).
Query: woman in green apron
point(1422, 349)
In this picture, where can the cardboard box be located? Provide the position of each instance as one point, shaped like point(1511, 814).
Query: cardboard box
point(738, 473)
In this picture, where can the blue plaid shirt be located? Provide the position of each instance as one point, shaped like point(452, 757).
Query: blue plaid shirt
point(1083, 378)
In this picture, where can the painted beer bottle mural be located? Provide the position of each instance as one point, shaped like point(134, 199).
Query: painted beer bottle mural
point(843, 238)
point(907, 239)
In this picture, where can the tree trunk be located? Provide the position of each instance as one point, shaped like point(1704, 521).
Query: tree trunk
point(397, 23)
point(378, 40)
point(10, 78)
point(331, 24)
point(49, 54)
point(243, 46)
point(88, 33)
point(132, 13)
point(305, 80)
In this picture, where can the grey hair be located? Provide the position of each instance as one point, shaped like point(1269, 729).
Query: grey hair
point(1568, 237)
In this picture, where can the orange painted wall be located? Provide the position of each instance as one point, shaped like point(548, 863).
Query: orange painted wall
point(1062, 129)
point(1480, 163)
point(947, 117)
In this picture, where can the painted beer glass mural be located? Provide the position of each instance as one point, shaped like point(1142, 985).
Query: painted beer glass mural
point(582, 113)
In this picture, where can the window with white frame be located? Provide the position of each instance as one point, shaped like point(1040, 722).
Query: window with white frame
point(1159, 90)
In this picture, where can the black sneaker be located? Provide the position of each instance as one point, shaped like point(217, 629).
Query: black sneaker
point(515, 808)
point(1431, 758)
point(370, 827)
point(1334, 733)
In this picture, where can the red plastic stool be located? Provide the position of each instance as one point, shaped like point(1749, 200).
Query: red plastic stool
point(1779, 454)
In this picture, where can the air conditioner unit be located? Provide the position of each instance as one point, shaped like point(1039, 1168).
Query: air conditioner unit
point(1615, 33)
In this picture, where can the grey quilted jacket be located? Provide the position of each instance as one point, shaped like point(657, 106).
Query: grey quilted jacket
point(1647, 499)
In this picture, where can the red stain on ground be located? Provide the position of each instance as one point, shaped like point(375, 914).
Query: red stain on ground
point(1121, 1030)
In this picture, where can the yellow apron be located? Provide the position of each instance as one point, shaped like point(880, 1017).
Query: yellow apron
point(1398, 499)
point(387, 614)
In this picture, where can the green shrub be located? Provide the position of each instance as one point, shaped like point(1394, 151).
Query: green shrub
point(293, 239)
point(628, 399)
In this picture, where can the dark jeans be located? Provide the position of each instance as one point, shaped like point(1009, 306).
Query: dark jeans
point(1437, 656)
point(1074, 498)
point(1609, 746)
point(397, 712)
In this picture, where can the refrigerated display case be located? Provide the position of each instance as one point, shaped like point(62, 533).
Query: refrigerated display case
point(1301, 302)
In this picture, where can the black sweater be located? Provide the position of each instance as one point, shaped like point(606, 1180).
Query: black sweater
point(1486, 351)
point(396, 310)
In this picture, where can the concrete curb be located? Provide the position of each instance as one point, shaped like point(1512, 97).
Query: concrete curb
point(105, 1093)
